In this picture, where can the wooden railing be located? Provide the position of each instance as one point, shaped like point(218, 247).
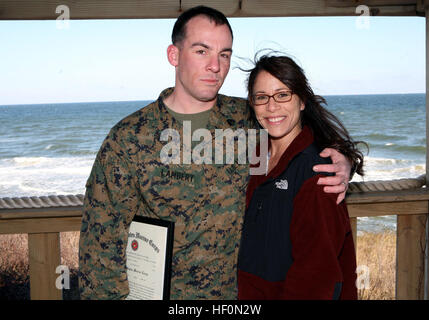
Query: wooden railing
point(44, 225)
point(411, 208)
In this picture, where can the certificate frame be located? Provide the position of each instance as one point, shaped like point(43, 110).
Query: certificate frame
point(166, 227)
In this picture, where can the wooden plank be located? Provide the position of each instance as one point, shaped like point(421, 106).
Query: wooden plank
point(44, 258)
point(411, 235)
point(227, 7)
point(388, 196)
point(91, 9)
point(353, 223)
point(420, 7)
point(43, 220)
point(40, 212)
point(426, 8)
point(426, 4)
point(135, 9)
point(276, 8)
point(66, 223)
point(352, 200)
point(355, 3)
point(62, 224)
point(386, 209)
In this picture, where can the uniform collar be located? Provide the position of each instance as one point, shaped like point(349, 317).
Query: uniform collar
point(220, 116)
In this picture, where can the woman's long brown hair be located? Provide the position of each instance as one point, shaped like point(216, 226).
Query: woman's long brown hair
point(327, 129)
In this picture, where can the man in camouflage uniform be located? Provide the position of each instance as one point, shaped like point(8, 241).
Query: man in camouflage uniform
point(206, 201)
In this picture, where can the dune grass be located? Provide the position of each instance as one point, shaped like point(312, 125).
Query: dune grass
point(376, 254)
point(14, 269)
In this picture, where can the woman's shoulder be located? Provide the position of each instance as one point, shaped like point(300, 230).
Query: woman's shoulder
point(304, 162)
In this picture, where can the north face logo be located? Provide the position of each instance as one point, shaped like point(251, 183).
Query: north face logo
point(282, 184)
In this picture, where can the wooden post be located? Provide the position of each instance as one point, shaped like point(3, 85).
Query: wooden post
point(427, 85)
point(353, 223)
point(44, 258)
point(410, 246)
point(426, 280)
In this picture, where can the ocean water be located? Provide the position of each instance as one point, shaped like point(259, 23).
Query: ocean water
point(49, 149)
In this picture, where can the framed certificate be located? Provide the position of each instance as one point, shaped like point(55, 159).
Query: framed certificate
point(149, 253)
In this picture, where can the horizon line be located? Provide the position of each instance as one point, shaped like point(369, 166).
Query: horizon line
point(104, 101)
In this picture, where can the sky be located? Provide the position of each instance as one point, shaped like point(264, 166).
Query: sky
point(125, 60)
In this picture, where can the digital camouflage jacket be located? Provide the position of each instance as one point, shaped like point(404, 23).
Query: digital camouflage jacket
point(206, 202)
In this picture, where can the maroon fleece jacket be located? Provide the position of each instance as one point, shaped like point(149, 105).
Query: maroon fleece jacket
point(308, 236)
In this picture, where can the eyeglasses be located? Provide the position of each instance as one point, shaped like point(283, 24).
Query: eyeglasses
point(261, 99)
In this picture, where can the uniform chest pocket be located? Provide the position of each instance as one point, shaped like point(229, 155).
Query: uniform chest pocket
point(173, 183)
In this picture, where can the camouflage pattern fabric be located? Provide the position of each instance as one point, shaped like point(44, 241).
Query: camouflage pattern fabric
point(206, 202)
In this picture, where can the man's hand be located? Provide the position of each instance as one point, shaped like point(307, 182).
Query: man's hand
point(341, 166)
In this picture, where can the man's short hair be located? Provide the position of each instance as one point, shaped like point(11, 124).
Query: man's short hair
point(179, 29)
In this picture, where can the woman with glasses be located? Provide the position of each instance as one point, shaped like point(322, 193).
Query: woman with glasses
point(296, 242)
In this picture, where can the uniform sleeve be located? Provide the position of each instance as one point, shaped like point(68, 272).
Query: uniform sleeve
point(318, 230)
point(109, 205)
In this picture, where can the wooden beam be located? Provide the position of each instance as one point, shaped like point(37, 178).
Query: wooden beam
point(40, 212)
point(44, 258)
point(388, 196)
point(355, 3)
point(91, 9)
point(404, 202)
point(135, 9)
point(427, 88)
point(411, 236)
point(40, 225)
point(227, 7)
point(426, 286)
point(275, 8)
point(385, 209)
point(61, 219)
point(60, 222)
point(420, 7)
point(353, 223)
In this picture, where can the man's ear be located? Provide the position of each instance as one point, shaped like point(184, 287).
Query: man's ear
point(173, 55)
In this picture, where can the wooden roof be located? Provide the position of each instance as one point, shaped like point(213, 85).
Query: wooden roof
point(136, 9)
